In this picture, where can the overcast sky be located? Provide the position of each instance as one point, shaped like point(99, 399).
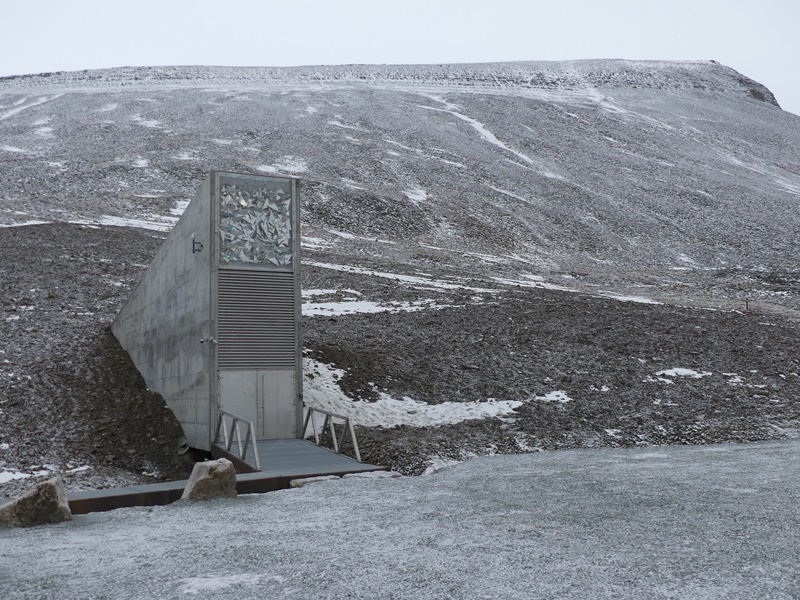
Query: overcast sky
point(758, 38)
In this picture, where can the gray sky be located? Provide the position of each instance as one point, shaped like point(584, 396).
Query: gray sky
point(757, 38)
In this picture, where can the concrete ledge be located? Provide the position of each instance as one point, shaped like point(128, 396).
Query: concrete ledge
point(157, 494)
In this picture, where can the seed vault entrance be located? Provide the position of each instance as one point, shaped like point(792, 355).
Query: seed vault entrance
point(215, 322)
point(258, 302)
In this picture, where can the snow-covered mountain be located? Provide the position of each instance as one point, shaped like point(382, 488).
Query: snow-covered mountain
point(573, 166)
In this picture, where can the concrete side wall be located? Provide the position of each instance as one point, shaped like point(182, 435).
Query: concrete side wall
point(168, 314)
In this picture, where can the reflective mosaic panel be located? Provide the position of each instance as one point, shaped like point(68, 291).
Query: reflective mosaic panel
point(255, 221)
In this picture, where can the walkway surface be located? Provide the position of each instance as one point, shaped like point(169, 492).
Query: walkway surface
point(301, 458)
point(718, 521)
point(281, 461)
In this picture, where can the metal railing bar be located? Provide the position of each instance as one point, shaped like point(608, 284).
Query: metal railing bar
point(341, 438)
point(228, 436)
point(353, 439)
point(243, 449)
point(238, 437)
point(255, 453)
point(332, 428)
point(329, 425)
point(220, 420)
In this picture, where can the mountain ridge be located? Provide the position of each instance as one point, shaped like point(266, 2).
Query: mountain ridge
point(674, 165)
point(565, 75)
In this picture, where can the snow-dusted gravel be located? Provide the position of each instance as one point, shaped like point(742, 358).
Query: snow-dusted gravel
point(580, 167)
point(547, 246)
point(495, 368)
point(691, 522)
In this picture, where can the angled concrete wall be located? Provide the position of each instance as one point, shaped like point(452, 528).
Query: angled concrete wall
point(168, 314)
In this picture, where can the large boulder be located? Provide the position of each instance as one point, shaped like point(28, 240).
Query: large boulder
point(211, 479)
point(46, 503)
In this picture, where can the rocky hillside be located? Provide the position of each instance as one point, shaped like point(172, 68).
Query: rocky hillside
point(520, 203)
point(569, 166)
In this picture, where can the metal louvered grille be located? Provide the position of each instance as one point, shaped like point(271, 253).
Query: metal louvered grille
point(256, 319)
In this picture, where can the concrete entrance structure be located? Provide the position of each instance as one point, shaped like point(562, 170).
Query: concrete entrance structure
point(215, 322)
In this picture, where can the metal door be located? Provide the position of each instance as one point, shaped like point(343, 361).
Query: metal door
point(263, 397)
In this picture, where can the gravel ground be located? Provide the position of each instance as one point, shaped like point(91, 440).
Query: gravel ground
point(707, 522)
point(70, 397)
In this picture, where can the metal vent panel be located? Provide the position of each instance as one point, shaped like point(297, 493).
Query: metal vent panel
point(256, 319)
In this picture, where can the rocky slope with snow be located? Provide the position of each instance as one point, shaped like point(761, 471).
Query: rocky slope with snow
point(470, 232)
point(568, 166)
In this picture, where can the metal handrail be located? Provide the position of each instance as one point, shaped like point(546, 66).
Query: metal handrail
point(337, 442)
point(227, 436)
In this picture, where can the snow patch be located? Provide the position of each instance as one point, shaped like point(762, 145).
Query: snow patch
point(315, 243)
point(14, 149)
point(343, 126)
point(316, 309)
point(350, 184)
point(621, 298)
point(680, 372)
point(185, 155)
point(286, 164)
point(7, 475)
point(438, 464)
point(489, 137)
point(24, 223)
point(733, 378)
point(350, 236)
point(159, 223)
point(509, 194)
point(554, 396)
point(532, 281)
point(20, 106)
point(321, 390)
point(82, 469)
point(180, 207)
point(412, 280)
point(324, 292)
point(416, 194)
point(208, 584)
point(151, 123)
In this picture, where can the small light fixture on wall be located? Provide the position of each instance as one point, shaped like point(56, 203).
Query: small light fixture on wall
point(196, 246)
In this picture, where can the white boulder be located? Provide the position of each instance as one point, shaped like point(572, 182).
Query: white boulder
point(211, 479)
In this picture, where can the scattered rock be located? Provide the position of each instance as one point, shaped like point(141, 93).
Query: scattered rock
point(211, 479)
point(46, 503)
point(298, 483)
point(373, 475)
point(527, 342)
